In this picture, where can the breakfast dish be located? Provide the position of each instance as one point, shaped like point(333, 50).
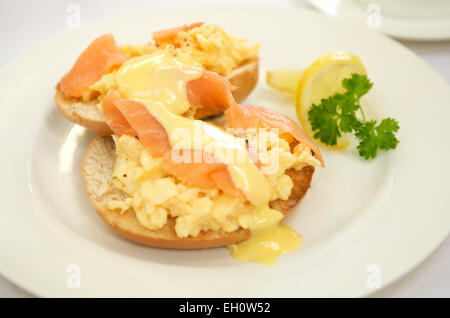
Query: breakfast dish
point(357, 213)
point(212, 48)
point(168, 179)
point(144, 96)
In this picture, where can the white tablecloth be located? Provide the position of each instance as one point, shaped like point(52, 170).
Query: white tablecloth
point(26, 23)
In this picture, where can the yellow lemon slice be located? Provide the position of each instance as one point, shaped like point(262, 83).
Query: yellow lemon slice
point(285, 80)
point(322, 79)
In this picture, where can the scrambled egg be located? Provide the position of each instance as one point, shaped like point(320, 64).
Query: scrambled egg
point(213, 48)
point(155, 196)
point(130, 51)
point(100, 88)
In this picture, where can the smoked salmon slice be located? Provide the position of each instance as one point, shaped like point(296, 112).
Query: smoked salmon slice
point(209, 95)
point(99, 58)
point(206, 174)
point(169, 34)
point(245, 117)
point(132, 118)
point(115, 119)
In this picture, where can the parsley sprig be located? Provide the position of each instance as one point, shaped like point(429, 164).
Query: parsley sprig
point(337, 114)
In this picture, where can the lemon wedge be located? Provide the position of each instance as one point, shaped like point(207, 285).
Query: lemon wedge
point(285, 80)
point(322, 79)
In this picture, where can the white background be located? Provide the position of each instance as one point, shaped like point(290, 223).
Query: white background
point(25, 24)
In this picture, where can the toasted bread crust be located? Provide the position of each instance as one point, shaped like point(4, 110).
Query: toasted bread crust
point(244, 78)
point(84, 114)
point(97, 169)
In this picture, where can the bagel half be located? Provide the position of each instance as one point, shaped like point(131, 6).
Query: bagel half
point(244, 78)
point(97, 170)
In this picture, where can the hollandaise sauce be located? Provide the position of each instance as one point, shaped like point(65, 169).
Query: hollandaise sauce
point(158, 81)
point(269, 239)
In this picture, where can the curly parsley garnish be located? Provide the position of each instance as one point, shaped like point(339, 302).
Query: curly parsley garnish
point(337, 114)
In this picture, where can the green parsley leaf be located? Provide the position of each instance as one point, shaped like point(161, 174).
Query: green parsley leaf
point(358, 85)
point(385, 132)
point(337, 114)
point(368, 143)
point(323, 120)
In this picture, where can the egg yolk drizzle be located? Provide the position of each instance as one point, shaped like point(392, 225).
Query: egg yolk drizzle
point(158, 81)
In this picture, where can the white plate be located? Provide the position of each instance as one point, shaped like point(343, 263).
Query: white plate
point(391, 212)
point(419, 20)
